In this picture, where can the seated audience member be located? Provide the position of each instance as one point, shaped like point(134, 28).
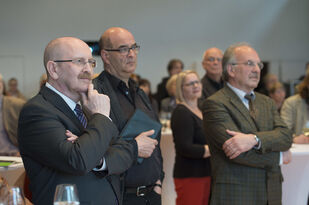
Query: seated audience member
point(174, 66)
point(295, 112)
point(9, 112)
point(192, 164)
point(277, 93)
point(268, 81)
point(13, 89)
point(168, 104)
point(144, 84)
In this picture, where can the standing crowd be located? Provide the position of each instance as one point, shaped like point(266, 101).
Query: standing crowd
point(230, 140)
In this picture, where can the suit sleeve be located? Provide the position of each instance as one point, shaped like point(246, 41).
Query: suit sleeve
point(216, 121)
point(280, 138)
point(183, 133)
point(41, 135)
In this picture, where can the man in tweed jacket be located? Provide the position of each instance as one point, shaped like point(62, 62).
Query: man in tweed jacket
point(248, 140)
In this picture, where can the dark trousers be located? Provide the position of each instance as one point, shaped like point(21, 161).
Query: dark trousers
point(151, 198)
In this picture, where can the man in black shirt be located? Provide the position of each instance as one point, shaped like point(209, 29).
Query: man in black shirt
point(212, 81)
point(119, 54)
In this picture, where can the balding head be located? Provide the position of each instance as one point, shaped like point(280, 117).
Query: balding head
point(58, 47)
point(108, 37)
point(68, 77)
point(212, 63)
point(117, 63)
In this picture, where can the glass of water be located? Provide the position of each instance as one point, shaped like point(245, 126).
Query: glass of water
point(66, 194)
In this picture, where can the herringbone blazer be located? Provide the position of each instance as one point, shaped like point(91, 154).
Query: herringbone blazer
point(254, 177)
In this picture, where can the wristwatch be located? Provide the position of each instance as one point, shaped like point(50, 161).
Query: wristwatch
point(258, 146)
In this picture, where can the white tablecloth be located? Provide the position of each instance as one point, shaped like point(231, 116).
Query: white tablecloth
point(15, 173)
point(295, 187)
point(168, 154)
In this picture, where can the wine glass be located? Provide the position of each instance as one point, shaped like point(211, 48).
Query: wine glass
point(66, 194)
point(15, 196)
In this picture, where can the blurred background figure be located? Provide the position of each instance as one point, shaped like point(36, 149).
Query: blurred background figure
point(268, 81)
point(135, 77)
point(306, 72)
point(43, 79)
point(192, 164)
point(212, 81)
point(9, 113)
point(174, 66)
point(168, 104)
point(144, 84)
point(277, 93)
point(295, 112)
point(13, 89)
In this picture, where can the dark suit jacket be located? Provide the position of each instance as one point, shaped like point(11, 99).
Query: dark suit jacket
point(254, 177)
point(50, 159)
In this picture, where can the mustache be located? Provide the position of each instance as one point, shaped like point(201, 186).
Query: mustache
point(254, 75)
point(85, 76)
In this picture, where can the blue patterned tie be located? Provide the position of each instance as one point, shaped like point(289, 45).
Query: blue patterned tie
point(80, 115)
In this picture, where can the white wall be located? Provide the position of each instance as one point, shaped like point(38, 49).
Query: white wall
point(166, 29)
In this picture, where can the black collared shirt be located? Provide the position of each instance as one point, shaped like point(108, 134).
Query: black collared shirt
point(210, 86)
point(130, 98)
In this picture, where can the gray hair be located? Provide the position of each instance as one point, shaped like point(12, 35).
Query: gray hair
point(229, 57)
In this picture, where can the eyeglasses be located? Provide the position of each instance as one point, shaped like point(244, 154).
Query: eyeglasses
point(192, 83)
point(80, 62)
point(212, 59)
point(125, 49)
point(251, 64)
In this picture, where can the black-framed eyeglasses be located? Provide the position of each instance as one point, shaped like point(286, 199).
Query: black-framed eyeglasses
point(80, 62)
point(251, 64)
point(124, 50)
point(192, 83)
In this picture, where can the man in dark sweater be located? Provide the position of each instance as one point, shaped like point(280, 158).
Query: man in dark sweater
point(119, 54)
point(212, 81)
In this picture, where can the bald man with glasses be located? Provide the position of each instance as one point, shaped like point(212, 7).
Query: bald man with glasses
point(119, 52)
point(65, 134)
point(248, 140)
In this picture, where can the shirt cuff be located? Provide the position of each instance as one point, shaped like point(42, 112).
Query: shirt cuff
point(281, 159)
point(102, 168)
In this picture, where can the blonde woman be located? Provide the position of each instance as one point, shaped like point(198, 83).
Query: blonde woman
point(192, 163)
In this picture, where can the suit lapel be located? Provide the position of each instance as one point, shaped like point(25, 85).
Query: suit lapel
point(238, 105)
point(61, 105)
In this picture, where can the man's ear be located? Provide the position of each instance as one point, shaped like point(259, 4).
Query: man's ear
point(105, 56)
point(230, 70)
point(52, 70)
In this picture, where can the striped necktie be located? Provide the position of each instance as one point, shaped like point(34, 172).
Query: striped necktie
point(249, 97)
point(80, 115)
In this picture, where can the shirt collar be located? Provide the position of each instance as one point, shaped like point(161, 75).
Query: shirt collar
point(240, 93)
point(68, 101)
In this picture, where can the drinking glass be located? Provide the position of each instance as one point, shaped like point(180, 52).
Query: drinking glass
point(15, 196)
point(66, 194)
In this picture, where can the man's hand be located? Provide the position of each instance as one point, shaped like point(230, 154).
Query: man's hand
point(71, 137)
point(145, 144)
point(287, 157)
point(301, 139)
point(158, 189)
point(238, 144)
point(94, 102)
